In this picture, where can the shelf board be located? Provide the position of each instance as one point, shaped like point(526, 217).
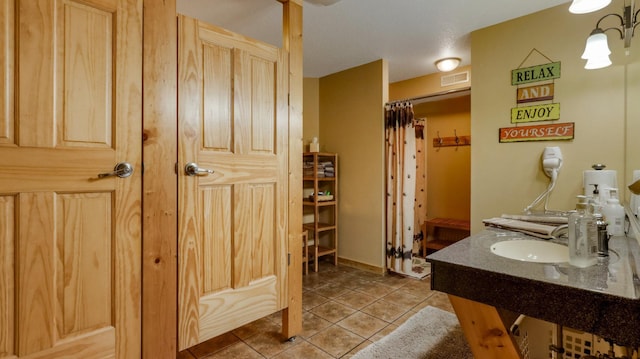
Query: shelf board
point(321, 226)
point(438, 244)
point(320, 203)
point(322, 251)
point(311, 178)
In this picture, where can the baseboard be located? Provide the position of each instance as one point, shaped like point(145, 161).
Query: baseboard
point(359, 265)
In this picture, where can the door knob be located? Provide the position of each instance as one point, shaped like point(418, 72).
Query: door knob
point(192, 169)
point(122, 170)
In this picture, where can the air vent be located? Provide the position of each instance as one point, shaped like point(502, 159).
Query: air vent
point(454, 79)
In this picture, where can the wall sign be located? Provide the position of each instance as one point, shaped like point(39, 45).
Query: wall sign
point(546, 112)
point(544, 91)
point(537, 73)
point(549, 132)
point(535, 93)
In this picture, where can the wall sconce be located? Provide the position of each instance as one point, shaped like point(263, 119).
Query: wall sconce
point(596, 51)
point(448, 64)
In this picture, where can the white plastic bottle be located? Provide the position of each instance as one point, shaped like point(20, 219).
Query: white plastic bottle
point(583, 236)
point(614, 216)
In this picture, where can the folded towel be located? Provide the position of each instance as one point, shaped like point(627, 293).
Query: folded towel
point(552, 220)
point(534, 229)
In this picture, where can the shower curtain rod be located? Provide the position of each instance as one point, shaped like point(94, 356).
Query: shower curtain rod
point(433, 97)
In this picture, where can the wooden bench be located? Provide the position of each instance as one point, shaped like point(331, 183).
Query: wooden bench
point(443, 231)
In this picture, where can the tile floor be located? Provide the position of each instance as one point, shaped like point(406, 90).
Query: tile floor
point(344, 310)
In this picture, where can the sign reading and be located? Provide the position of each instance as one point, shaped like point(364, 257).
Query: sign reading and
point(535, 93)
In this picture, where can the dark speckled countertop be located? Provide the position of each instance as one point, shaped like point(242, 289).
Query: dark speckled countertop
point(603, 299)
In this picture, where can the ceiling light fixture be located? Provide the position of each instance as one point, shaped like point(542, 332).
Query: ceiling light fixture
point(596, 51)
point(448, 64)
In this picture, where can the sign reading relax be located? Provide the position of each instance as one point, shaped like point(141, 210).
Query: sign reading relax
point(537, 73)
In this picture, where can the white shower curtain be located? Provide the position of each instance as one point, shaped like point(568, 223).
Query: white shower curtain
point(402, 227)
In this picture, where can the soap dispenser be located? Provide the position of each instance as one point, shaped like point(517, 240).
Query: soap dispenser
point(583, 236)
point(614, 214)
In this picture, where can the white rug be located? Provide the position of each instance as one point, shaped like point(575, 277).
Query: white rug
point(431, 333)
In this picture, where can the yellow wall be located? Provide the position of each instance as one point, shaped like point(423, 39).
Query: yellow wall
point(311, 111)
point(424, 85)
point(507, 177)
point(448, 168)
point(351, 124)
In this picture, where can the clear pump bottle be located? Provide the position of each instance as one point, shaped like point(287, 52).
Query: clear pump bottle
point(583, 235)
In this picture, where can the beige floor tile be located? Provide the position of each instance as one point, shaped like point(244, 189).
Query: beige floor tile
point(311, 299)
point(336, 341)
point(353, 351)
point(384, 310)
point(405, 317)
point(384, 332)
point(332, 311)
point(312, 324)
point(256, 327)
point(304, 350)
point(214, 345)
point(355, 299)
point(236, 351)
point(331, 290)
point(420, 289)
point(362, 324)
point(394, 280)
point(402, 298)
point(269, 344)
point(440, 300)
point(375, 289)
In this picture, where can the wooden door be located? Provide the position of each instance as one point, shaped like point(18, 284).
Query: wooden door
point(70, 241)
point(232, 119)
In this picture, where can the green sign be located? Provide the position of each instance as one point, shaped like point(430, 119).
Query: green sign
point(537, 73)
point(546, 112)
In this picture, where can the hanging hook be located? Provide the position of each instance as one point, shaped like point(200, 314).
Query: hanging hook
point(439, 138)
point(457, 138)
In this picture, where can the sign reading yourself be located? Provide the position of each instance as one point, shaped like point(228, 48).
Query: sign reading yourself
point(549, 132)
point(538, 73)
point(535, 93)
point(546, 112)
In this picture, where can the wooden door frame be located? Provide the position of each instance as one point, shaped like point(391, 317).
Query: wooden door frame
point(160, 182)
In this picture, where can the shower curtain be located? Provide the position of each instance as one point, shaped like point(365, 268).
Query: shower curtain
point(405, 212)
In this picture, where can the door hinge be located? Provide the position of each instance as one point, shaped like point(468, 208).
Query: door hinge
point(288, 259)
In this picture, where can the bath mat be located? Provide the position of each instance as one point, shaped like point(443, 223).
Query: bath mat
point(420, 268)
point(431, 333)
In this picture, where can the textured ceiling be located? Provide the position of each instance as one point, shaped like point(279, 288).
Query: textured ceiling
point(410, 34)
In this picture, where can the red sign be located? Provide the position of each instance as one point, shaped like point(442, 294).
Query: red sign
point(550, 132)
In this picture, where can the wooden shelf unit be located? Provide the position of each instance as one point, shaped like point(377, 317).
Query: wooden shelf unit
point(444, 231)
point(323, 230)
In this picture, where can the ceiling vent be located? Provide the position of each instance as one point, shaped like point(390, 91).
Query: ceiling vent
point(454, 79)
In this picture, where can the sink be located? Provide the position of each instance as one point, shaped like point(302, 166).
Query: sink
point(529, 250)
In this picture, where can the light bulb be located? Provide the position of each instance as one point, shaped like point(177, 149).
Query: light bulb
point(587, 6)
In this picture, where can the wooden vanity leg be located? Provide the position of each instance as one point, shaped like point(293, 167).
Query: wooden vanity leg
point(485, 332)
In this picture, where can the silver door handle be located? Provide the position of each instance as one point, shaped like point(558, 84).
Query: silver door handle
point(122, 170)
point(192, 169)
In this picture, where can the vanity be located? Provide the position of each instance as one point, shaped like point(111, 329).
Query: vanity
point(603, 299)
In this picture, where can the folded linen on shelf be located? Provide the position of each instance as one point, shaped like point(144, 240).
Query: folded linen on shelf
point(535, 229)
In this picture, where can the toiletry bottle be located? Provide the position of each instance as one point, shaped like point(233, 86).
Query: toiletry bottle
point(583, 236)
point(614, 214)
point(603, 236)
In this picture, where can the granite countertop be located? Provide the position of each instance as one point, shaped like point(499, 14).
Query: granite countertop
point(603, 299)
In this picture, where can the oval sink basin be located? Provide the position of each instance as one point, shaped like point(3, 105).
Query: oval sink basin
point(529, 250)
